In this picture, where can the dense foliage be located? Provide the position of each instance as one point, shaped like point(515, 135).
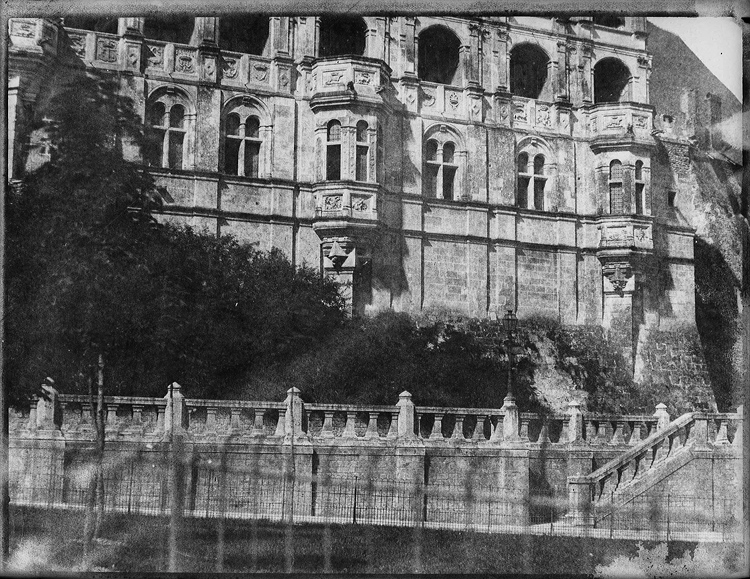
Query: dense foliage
point(91, 272)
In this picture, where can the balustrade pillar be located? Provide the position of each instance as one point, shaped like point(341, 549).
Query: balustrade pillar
point(437, 428)
point(524, 430)
point(478, 434)
point(574, 431)
point(662, 417)
point(327, 431)
point(393, 429)
point(372, 425)
point(458, 428)
point(211, 418)
point(349, 432)
point(258, 421)
point(293, 415)
point(722, 438)
point(510, 421)
point(405, 415)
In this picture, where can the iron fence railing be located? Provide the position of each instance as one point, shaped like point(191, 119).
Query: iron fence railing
point(211, 493)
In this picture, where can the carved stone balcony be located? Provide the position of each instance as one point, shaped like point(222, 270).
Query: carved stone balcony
point(342, 81)
point(618, 125)
point(625, 234)
point(344, 205)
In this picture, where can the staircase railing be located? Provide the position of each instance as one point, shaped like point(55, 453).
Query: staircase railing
point(695, 429)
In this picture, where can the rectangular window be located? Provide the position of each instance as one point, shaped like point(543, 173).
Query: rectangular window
point(615, 198)
point(539, 194)
point(430, 180)
point(231, 156)
point(639, 187)
point(361, 163)
point(333, 163)
point(523, 192)
point(252, 158)
point(154, 148)
point(175, 149)
point(449, 176)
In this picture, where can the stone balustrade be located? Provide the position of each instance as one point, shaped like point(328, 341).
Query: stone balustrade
point(351, 421)
point(625, 232)
point(366, 76)
point(696, 430)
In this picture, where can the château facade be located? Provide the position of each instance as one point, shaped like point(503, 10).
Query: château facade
point(473, 165)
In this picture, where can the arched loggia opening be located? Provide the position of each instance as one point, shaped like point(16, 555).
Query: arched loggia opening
point(177, 29)
point(528, 70)
point(342, 35)
point(244, 33)
point(96, 23)
point(609, 21)
point(611, 81)
point(438, 55)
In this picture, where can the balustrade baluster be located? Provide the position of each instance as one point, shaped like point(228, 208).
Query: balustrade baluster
point(349, 431)
point(644, 462)
point(160, 411)
point(281, 423)
point(699, 432)
point(497, 430)
point(372, 425)
point(137, 415)
point(590, 432)
point(524, 433)
point(458, 428)
point(418, 424)
point(676, 441)
point(604, 432)
point(619, 436)
point(234, 418)
point(627, 472)
point(437, 427)
point(111, 420)
point(478, 434)
point(722, 437)
point(211, 418)
point(635, 437)
point(327, 431)
point(393, 429)
point(544, 433)
point(257, 421)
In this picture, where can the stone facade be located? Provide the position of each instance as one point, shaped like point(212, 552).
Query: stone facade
point(472, 165)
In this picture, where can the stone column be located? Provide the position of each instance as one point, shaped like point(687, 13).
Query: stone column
point(175, 413)
point(510, 421)
point(405, 416)
point(503, 83)
point(562, 93)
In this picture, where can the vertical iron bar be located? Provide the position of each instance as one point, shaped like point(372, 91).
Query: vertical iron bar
point(354, 506)
point(611, 513)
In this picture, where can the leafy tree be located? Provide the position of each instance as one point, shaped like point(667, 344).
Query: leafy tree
point(91, 273)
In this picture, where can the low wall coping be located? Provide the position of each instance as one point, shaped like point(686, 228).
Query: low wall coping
point(351, 407)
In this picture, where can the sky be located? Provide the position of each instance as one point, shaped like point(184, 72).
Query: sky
point(716, 41)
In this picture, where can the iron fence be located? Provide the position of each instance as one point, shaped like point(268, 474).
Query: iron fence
point(236, 495)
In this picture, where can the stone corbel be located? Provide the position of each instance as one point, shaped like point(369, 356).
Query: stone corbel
point(618, 274)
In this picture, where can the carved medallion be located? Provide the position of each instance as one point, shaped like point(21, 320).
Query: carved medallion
point(542, 115)
point(156, 56)
point(453, 100)
point(362, 77)
point(106, 50)
point(640, 122)
point(78, 44)
point(229, 67)
point(615, 122)
point(359, 205)
point(133, 55)
point(284, 78)
point(519, 112)
point(23, 29)
point(429, 97)
point(209, 67)
point(260, 72)
point(332, 202)
point(184, 62)
point(333, 77)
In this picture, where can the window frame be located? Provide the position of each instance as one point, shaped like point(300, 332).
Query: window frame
point(170, 100)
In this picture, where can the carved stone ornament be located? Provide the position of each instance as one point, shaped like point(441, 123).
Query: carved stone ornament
point(333, 77)
point(592, 125)
point(284, 78)
point(359, 205)
point(229, 67)
point(311, 82)
point(618, 276)
point(615, 122)
point(106, 50)
point(260, 72)
point(519, 112)
point(410, 97)
point(453, 100)
point(156, 56)
point(78, 44)
point(504, 112)
point(209, 67)
point(332, 202)
point(362, 77)
point(640, 122)
point(23, 29)
point(133, 55)
point(542, 116)
point(565, 121)
point(475, 108)
point(428, 99)
point(184, 62)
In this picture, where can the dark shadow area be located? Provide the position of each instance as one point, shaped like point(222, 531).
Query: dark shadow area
point(244, 33)
point(95, 23)
point(342, 35)
point(528, 70)
point(176, 29)
point(611, 79)
point(438, 55)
